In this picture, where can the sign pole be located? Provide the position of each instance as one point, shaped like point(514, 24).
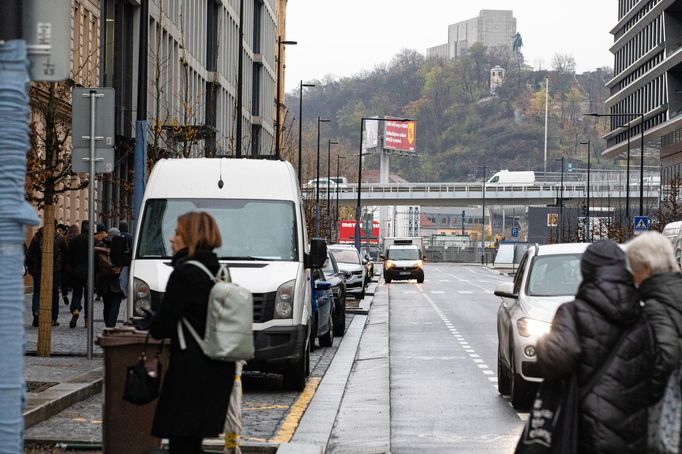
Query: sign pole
point(91, 220)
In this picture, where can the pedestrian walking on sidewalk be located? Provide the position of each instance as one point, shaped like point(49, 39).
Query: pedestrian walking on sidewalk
point(34, 262)
point(196, 389)
point(604, 326)
point(66, 283)
point(108, 285)
point(78, 261)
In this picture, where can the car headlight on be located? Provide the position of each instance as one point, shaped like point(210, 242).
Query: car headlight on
point(142, 297)
point(420, 263)
point(284, 300)
point(530, 327)
point(389, 264)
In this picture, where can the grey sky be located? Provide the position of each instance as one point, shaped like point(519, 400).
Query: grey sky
point(344, 37)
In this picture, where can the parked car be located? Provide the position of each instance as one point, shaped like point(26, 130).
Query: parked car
point(322, 310)
point(324, 184)
point(375, 252)
point(351, 266)
point(548, 276)
point(673, 232)
point(403, 262)
point(335, 277)
point(369, 265)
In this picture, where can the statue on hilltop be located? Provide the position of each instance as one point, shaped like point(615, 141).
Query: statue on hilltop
point(518, 42)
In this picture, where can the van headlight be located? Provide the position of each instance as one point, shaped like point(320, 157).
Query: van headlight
point(530, 327)
point(142, 297)
point(389, 264)
point(284, 301)
point(419, 264)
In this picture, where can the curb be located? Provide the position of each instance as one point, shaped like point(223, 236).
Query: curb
point(44, 405)
point(314, 430)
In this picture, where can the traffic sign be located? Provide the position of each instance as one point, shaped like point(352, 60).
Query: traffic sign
point(570, 167)
point(104, 160)
point(515, 232)
point(104, 120)
point(641, 224)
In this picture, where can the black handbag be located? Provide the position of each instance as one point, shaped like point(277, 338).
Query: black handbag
point(552, 426)
point(143, 379)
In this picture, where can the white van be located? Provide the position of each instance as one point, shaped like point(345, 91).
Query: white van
point(512, 177)
point(265, 244)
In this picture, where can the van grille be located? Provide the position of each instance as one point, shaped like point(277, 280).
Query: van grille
point(263, 307)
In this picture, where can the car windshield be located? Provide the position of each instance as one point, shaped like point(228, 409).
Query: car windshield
point(250, 229)
point(346, 256)
point(403, 254)
point(555, 275)
point(328, 267)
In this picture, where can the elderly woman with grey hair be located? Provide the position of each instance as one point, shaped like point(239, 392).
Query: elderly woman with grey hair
point(655, 272)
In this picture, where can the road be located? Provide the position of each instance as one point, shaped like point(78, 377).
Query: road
point(443, 361)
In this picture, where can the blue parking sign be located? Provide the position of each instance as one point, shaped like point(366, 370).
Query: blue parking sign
point(641, 224)
point(515, 232)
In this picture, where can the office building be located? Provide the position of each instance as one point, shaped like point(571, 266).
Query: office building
point(492, 28)
point(647, 79)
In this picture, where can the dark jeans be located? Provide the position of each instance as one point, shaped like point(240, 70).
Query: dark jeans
point(35, 303)
point(79, 289)
point(185, 445)
point(112, 304)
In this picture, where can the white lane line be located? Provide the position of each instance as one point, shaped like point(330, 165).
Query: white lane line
point(437, 292)
point(409, 292)
point(464, 292)
point(493, 379)
point(444, 280)
point(473, 355)
point(478, 361)
point(482, 366)
point(488, 372)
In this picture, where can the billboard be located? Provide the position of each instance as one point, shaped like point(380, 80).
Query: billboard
point(347, 233)
point(371, 138)
point(400, 135)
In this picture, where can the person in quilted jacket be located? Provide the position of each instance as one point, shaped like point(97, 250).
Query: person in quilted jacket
point(657, 275)
point(604, 323)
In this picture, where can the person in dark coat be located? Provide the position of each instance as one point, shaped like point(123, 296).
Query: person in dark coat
point(78, 265)
point(613, 415)
point(34, 259)
point(657, 275)
point(196, 389)
point(107, 283)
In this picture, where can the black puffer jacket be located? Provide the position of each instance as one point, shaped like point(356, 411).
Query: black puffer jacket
point(662, 296)
point(613, 415)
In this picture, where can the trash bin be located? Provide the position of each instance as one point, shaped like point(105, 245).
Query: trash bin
point(126, 427)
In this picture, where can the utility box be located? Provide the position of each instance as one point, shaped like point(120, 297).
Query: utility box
point(126, 427)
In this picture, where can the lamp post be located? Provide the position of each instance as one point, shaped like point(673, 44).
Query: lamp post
point(485, 174)
point(336, 220)
point(561, 202)
point(641, 159)
point(587, 201)
point(300, 131)
point(278, 125)
point(358, 208)
point(317, 181)
point(329, 179)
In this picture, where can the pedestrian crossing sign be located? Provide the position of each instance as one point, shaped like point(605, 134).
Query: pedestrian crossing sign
point(641, 224)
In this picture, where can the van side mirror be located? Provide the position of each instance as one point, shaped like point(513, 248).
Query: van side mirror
point(119, 253)
point(318, 253)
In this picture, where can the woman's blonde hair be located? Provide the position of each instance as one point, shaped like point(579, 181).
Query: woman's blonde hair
point(199, 231)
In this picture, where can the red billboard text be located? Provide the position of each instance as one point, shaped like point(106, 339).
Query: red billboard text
point(400, 135)
point(347, 233)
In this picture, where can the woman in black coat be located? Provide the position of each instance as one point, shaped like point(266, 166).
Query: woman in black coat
point(196, 389)
point(613, 415)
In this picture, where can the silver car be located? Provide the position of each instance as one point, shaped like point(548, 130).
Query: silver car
point(548, 276)
point(353, 269)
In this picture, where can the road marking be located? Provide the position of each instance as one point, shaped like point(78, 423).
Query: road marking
point(290, 424)
point(478, 361)
point(464, 292)
point(444, 280)
point(493, 379)
point(437, 292)
point(488, 372)
point(410, 292)
point(473, 355)
point(482, 366)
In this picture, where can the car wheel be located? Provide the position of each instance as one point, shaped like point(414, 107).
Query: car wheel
point(340, 322)
point(420, 280)
point(361, 295)
point(503, 381)
point(295, 375)
point(327, 339)
point(522, 393)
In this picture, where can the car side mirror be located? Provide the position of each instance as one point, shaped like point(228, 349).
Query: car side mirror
point(318, 253)
point(506, 290)
point(119, 253)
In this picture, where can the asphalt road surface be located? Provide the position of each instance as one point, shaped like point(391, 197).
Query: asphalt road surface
point(443, 364)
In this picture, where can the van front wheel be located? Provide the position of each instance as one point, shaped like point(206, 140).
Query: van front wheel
point(295, 375)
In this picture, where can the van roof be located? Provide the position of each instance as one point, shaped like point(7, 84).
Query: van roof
point(242, 178)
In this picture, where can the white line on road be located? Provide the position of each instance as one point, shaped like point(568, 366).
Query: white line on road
point(437, 292)
point(464, 292)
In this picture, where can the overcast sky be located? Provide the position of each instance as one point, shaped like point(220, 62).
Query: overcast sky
point(344, 37)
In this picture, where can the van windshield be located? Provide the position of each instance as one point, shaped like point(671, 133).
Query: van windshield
point(250, 229)
point(403, 254)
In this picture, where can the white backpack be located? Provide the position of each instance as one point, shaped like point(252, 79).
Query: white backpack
point(229, 319)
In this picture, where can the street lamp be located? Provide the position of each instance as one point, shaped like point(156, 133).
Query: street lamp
point(300, 131)
point(358, 208)
point(561, 202)
point(278, 124)
point(641, 160)
point(317, 181)
point(587, 202)
point(485, 174)
point(338, 160)
point(329, 178)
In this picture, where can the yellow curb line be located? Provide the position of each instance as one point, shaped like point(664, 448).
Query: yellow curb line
point(290, 424)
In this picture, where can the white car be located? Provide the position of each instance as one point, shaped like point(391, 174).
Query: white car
point(324, 184)
point(351, 266)
point(548, 276)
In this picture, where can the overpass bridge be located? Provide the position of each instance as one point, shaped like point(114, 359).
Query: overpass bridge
point(471, 194)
